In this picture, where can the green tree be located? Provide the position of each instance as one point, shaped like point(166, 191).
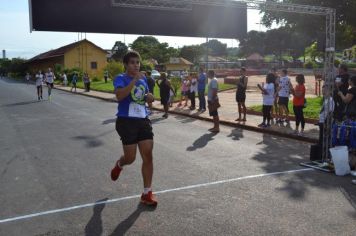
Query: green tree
point(114, 68)
point(312, 52)
point(314, 26)
point(252, 43)
point(216, 48)
point(17, 67)
point(150, 48)
point(119, 50)
point(5, 66)
point(192, 53)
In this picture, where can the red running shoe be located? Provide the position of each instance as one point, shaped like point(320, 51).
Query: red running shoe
point(149, 199)
point(115, 172)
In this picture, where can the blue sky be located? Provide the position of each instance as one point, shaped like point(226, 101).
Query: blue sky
point(17, 40)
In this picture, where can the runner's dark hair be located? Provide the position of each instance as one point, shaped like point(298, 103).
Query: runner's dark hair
point(129, 55)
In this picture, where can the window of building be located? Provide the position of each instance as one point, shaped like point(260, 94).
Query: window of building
point(94, 65)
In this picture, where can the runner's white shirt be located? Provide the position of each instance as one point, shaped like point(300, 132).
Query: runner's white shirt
point(284, 84)
point(39, 79)
point(49, 77)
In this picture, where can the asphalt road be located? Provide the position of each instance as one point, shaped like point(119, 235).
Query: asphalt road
point(58, 154)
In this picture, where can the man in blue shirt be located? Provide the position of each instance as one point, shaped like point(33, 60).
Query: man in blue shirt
point(132, 123)
point(201, 90)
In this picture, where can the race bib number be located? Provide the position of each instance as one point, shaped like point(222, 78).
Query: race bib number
point(137, 110)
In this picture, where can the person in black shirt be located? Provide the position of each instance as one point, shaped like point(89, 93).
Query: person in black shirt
point(344, 75)
point(241, 94)
point(150, 82)
point(350, 99)
point(151, 86)
point(341, 85)
point(164, 89)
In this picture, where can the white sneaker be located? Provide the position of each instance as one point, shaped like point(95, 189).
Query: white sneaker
point(354, 181)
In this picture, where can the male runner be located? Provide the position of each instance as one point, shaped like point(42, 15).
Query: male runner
point(132, 123)
point(49, 81)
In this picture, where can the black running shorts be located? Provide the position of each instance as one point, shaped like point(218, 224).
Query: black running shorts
point(133, 131)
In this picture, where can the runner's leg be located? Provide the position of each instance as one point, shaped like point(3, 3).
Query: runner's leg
point(146, 147)
point(129, 155)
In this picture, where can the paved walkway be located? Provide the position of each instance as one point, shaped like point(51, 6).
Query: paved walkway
point(228, 114)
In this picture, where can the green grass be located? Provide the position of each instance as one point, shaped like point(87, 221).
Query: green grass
point(311, 111)
point(108, 87)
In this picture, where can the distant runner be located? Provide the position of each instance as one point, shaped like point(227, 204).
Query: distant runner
point(39, 81)
point(132, 123)
point(49, 81)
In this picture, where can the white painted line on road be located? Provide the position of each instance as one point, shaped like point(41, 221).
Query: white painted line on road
point(158, 192)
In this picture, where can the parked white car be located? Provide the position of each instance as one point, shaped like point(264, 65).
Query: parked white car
point(155, 74)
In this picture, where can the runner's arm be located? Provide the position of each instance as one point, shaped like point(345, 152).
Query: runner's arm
point(246, 81)
point(346, 99)
point(122, 93)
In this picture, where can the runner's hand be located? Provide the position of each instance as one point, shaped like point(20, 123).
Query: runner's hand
point(139, 76)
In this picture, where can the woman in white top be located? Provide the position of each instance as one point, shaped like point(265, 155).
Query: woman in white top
point(65, 79)
point(326, 112)
point(193, 90)
point(268, 92)
point(39, 81)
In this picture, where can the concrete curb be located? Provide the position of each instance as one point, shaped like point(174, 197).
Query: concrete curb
point(246, 127)
point(223, 122)
point(87, 95)
point(257, 113)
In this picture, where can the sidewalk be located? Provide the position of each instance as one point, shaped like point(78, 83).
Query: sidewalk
point(228, 114)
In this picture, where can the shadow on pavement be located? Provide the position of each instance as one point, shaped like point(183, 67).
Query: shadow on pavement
point(105, 122)
point(157, 120)
point(125, 225)
point(95, 224)
point(236, 134)
point(281, 155)
point(201, 142)
point(21, 103)
point(184, 119)
point(93, 141)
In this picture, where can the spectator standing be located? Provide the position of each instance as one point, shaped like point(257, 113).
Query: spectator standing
point(150, 82)
point(275, 109)
point(185, 91)
point(284, 89)
point(193, 90)
point(341, 85)
point(241, 94)
point(201, 90)
point(65, 79)
point(299, 103)
point(106, 76)
point(325, 112)
point(74, 82)
point(268, 92)
point(151, 87)
point(164, 89)
point(350, 99)
point(213, 101)
point(86, 81)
